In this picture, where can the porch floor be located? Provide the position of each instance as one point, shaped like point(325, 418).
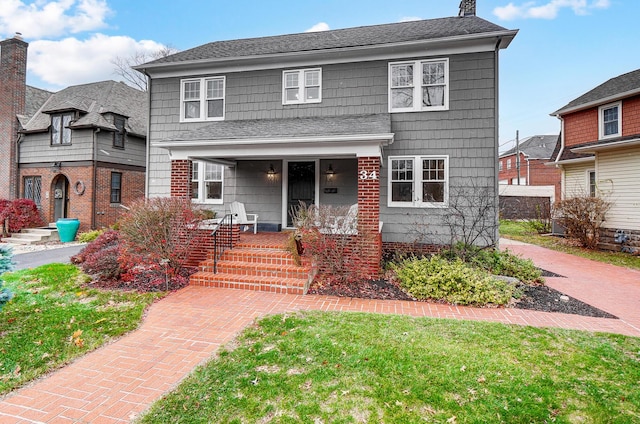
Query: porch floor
point(259, 262)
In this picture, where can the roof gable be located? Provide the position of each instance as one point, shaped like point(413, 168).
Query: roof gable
point(536, 147)
point(615, 88)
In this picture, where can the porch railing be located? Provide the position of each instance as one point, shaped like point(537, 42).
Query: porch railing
point(222, 238)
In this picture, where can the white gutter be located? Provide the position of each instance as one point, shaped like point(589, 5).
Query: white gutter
point(598, 102)
point(607, 146)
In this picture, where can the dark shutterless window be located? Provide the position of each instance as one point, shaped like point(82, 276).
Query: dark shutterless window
point(33, 189)
point(119, 134)
point(116, 187)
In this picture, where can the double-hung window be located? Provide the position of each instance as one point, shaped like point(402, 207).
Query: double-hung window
point(419, 85)
point(302, 86)
point(207, 182)
point(33, 189)
point(60, 131)
point(591, 182)
point(418, 181)
point(119, 133)
point(116, 187)
point(610, 120)
point(202, 99)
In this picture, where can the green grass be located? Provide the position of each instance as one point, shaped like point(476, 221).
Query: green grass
point(54, 318)
point(518, 230)
point(318, 367)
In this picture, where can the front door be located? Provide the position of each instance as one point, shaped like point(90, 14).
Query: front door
point(60, 192)
point(301, 186)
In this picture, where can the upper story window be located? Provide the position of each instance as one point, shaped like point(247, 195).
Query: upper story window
point(60, 131)
point(419, 85)
point(610, 120)
point(207, 182)
point(119, 134)
point(508, 163)
point(500, 165)
point(202, 99)
point(418, 181)
point(302, 86)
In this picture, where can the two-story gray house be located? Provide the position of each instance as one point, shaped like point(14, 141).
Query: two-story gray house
point(391, 117)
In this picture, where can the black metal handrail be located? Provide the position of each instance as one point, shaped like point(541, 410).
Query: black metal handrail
point(222, 238)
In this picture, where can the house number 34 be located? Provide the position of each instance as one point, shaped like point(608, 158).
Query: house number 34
point(366, 175)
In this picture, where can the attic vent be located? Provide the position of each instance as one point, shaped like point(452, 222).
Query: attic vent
point(467, 8)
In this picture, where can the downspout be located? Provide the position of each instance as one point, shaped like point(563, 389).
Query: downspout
point(496, 143)
point(148, 140)
point(558, 165)
point(17, 158)
point(94, 195)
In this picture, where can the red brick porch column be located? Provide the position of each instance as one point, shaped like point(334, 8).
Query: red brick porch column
point(369, 210)
point(181, 178)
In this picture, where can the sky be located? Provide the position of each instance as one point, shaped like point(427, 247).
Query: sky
point(564, 48)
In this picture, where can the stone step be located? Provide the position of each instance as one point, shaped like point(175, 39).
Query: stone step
point(257, 269)
point(248, 282)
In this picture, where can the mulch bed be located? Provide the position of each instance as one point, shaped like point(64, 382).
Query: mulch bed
point(536, 297)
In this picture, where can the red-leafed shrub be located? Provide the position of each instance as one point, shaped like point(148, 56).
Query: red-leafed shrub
point(20, 213)
point(100, 257)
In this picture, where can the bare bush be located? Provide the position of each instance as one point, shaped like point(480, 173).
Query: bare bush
point(330, 235)
point(582, 218)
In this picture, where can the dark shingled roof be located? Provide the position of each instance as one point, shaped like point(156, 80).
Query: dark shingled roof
point(621, 84)
point(536, 147)
point(287, 128)
point(430, 29)
point(93, 100)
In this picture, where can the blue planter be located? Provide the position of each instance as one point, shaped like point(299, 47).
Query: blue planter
point(67, 229)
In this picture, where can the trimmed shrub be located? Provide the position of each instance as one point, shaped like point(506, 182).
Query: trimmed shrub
point(20, 213)
point(99, 258)
point(89, 236)
point(455, 282)
point(506, 263)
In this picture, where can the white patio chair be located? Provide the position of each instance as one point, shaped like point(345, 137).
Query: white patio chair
point(241, 217)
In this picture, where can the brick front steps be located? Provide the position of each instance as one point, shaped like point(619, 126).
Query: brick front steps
point(259, 263)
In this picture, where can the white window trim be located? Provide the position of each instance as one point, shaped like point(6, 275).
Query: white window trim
point(417, 86)
point(601, 110)
point(201, 184)
point(499, 165)
point(301, 86)
point(417, 183)
point(508, 163)
point(588, 185)
point(203, 99)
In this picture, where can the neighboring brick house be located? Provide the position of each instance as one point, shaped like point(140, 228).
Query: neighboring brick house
point(535, 151)
point(78, 153)
point(599, 152)
point(394, 118)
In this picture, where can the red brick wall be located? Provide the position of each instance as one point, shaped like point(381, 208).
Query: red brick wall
point(581, 127)
point(181, 178)
point(13, 74)
point(132, 190)
point(369, 210)
point(508, 174)
point(631, 116)
point(79, 205)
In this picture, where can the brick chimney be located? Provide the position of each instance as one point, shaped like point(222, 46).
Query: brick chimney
point(13, 87)
point(467, 8)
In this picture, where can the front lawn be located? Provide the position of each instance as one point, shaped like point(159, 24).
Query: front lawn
point(54, 317)
point(315, 367)
point(519, 230)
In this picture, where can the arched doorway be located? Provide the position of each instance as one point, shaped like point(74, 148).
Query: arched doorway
point(60, 190)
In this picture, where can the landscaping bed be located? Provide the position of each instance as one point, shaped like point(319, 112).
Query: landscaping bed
point(536, 297)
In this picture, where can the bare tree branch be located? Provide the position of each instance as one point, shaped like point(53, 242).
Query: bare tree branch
point(123, 66)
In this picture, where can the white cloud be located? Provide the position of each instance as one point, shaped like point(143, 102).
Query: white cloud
point(320, 26)
point(410, 19)
point(550, 10)
point(71, 61)
point(41, 18)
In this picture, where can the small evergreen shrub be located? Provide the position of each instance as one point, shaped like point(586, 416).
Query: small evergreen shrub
point(506, 263)
point(5, 265)
point(437, 278)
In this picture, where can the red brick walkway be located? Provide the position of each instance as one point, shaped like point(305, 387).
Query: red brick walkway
point(119, 381)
